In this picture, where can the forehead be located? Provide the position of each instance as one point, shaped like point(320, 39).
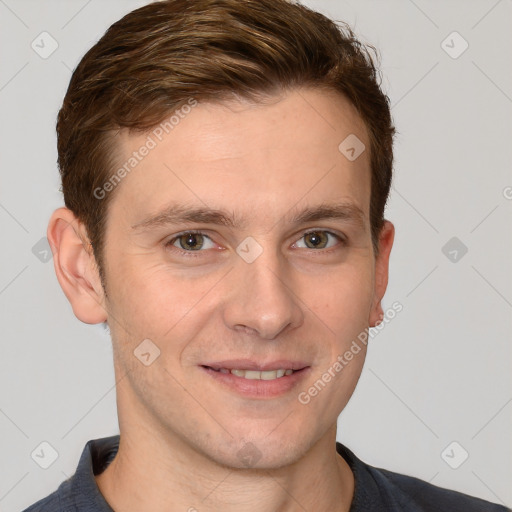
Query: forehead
point(255, 157)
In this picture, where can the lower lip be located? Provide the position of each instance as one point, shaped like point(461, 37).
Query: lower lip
point(256, 388)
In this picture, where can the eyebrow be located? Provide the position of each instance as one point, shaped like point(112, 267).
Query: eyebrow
point(176, 214)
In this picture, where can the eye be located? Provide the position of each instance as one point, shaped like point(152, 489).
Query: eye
point(194, 241)
point(191, 241)
point(319, 239)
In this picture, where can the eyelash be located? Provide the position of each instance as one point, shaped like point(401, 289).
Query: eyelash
point(195, 254)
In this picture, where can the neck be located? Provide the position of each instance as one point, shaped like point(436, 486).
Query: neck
point(179, 478)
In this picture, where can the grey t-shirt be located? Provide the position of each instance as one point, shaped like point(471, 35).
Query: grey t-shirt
point(376, 489)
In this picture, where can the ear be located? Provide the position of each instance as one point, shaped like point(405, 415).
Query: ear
point(76, 267)
point(386, 237)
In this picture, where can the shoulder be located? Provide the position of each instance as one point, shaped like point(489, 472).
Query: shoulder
point(428, 497)
point(80, 491)
point(54, 502)
point(382, 490)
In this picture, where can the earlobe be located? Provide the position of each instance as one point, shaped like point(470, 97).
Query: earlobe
point(386, 238)
point(75, 266)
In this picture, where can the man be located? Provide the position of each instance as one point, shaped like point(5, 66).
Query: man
point(225, 167)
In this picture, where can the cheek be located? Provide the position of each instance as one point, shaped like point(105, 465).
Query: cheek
point(152, 301)
point(343, 305)
point(343, 299)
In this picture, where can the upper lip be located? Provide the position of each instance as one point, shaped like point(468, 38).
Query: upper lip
point(250, 364)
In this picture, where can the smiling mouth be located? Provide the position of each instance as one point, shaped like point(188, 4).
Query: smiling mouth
point(255, 374)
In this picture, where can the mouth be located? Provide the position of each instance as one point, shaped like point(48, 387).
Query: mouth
point(256, 380)
point(255, 374)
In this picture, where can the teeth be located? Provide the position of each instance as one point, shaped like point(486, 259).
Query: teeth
point(256, 375)
point(253, 375)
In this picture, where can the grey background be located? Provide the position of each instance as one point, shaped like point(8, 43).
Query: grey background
point(440, 370)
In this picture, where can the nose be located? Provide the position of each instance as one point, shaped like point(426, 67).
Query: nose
point(261, 299)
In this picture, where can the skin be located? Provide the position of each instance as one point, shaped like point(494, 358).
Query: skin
point(181, 430)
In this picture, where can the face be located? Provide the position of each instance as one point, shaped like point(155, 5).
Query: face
point(261, 278)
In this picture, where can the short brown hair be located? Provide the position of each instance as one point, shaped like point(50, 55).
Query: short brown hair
point(157, 57)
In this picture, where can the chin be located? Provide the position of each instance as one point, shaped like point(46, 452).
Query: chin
point(260, 453)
